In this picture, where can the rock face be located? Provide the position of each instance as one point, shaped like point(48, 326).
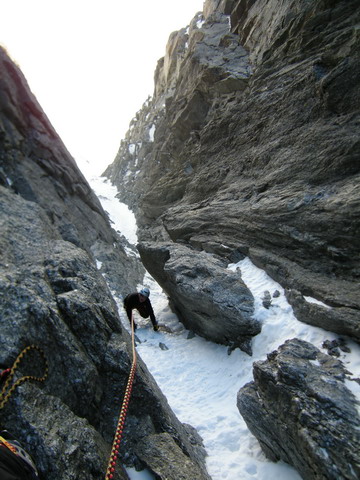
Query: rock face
point(308, 415)
point(53, 229)
point(250, 145)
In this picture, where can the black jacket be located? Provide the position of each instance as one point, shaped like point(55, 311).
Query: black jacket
point(145, 309)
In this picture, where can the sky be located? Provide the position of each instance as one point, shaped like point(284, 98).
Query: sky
point(91, 63)
point(200, 379)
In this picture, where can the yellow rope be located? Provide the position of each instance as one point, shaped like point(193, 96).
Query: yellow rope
point(121, 422)
point(6, 392)
point(8, 445)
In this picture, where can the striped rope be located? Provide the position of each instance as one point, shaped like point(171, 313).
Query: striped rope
point(121, 422)
point(7, 391)
point(8, 445)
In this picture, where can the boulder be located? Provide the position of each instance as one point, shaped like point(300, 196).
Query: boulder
point(301, 411)
point(165, 459)
point(209, 299)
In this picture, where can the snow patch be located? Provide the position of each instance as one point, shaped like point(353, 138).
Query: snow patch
point(152, 133)
point(200, 23)
point(119, 213)
point(354, 388)
point(313, 300)
point(131, 252)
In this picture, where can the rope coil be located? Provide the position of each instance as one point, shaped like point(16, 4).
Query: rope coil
point(7, 391)
point(121, 422)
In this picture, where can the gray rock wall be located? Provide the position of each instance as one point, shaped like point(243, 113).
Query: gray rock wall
point(53, 228)
point(255, 146)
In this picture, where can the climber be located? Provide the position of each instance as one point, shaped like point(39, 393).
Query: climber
point(140, 301)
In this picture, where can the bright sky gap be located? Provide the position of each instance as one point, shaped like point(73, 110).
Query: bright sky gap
point(91, 63)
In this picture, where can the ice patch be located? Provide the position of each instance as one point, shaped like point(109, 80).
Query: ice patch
point(142, 475)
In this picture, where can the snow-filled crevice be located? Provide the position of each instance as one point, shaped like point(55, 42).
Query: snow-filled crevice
point(200, 379)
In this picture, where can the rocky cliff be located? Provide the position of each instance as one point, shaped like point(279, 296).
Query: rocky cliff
point(249, 146)
point(53, 233)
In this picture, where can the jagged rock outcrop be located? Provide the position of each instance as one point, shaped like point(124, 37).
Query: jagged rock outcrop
point(309, 417)
point(53, 229)
point(342, 320)
point(250, 144)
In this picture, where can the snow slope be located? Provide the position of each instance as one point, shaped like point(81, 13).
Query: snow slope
point(200, 379)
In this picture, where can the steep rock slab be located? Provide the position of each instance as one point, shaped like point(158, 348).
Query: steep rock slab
point(209, 299)
point(35, 164)
point(54, 432)
point(201, 62)
point(301, 411)
point(52, 295)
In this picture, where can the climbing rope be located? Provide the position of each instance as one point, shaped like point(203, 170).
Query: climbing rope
point(8, 390)
point(8, 445)
point(121, 422)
